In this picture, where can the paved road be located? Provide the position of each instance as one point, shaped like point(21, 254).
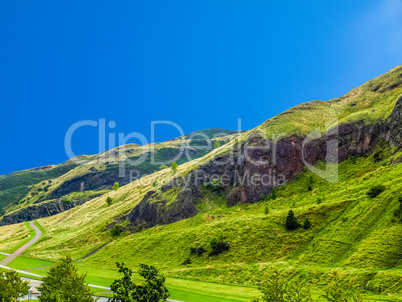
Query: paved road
point(18, 252)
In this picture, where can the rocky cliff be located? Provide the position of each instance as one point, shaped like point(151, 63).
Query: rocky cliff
point(256, 166)
point(38, 211)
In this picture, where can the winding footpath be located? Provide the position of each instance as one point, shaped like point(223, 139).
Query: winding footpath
point(18, 252)
point(34, 280)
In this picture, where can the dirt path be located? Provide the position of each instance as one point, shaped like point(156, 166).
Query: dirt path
point(85, 257)
point(18, 252)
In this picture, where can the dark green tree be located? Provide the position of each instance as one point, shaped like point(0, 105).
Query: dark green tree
point(116, 230)
point(12, 287)
point(174, 167)
point(109, 201)
point(266, 211)
point(152, 289)
point(291, 221)
point(63, 283)
point(375, 191)
point(306, 224)
point(218, 247)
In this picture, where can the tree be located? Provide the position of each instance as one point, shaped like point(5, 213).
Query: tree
point(174, 166)
point(291, 221)
point(116, 230)
point(375, 191)
point(218, 247)
point(109, 201)
point(306, 224)
point(12, 287)
point(63, 283)
point(116, 186)
point(217, 144)
point(152, 289)
point(266, 211)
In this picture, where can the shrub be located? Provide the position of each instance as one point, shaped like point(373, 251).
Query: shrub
point(116, 186)
point(187, 261)
point(174, 167)
point(266, 211)
point(397, 213)
point(116, 230)
point(306, 224)
point(218, 247)
point(109, 201)
point(375, 191)
point(163, 167)
point(291, 221)
point(217, 144)
point(198, 251)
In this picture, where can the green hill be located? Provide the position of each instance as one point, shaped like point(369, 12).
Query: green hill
point(356, 224)
point(99, 172)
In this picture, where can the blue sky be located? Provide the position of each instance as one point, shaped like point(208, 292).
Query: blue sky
point(201, 64)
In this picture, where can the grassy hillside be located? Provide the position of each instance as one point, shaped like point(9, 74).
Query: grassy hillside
point(24, 188)
point(352, 233)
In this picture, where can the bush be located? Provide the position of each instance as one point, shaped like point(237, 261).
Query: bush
point(116, 186)
point(375, 191)
point(266, 211)
point(306, 224)
point(116, 230)
point(109, 201)
point(174, 167)
point(187, 261)
point(397, 213)
point(198, 251)
point(291, 222)
point(218, 247)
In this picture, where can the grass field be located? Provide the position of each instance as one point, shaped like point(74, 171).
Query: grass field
point(351, 233)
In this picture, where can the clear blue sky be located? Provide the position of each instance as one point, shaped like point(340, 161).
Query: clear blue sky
point(201, 64)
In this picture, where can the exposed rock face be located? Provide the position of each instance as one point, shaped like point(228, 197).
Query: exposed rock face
point(258, 165)
point(37, 211)
point(97, 180)
point(147, 213)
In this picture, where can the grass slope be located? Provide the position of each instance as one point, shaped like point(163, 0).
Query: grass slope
point(351, 233)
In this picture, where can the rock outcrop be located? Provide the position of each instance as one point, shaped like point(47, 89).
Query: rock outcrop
point(38, 211)
point(256, 166)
